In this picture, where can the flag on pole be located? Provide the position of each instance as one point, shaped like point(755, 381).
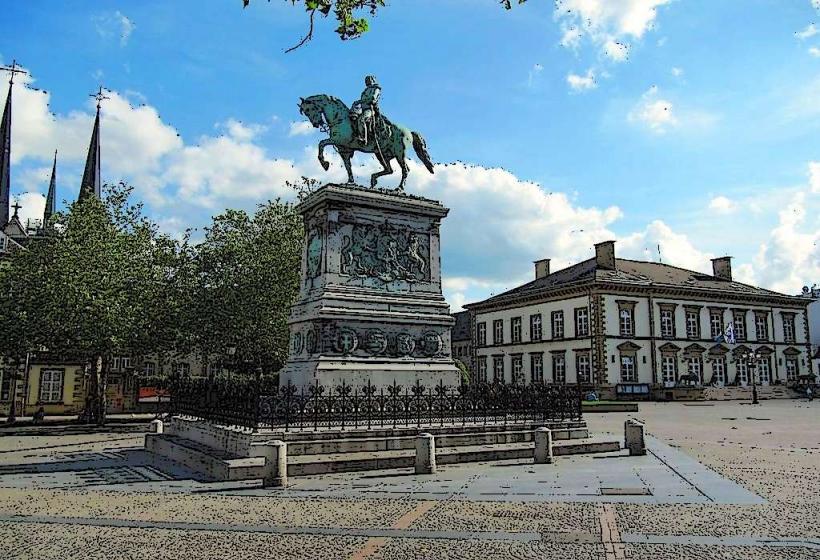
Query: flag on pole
point(729, 334)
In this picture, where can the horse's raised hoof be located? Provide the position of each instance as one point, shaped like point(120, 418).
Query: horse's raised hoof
point(325, 165)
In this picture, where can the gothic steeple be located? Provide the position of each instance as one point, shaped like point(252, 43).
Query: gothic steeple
point(91, 176)
point(5, 147)
point(5, 161)
point(92, 185)
point(51, 198)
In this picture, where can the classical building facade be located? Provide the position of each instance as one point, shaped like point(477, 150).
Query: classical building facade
point(634, 328)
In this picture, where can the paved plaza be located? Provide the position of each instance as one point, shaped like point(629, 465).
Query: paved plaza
point(721, 480)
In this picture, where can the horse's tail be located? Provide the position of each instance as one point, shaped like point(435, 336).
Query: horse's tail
point(420, 146)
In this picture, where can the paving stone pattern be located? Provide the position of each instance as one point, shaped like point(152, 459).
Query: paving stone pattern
point(724, 480)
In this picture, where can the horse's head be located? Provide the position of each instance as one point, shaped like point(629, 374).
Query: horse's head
point(312, 111)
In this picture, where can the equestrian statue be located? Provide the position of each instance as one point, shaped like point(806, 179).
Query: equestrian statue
point(362, 128)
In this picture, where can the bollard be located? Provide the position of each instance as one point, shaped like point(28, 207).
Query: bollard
point(425, 454)
point(275, 453)
point(543, 446)
point(156, 427)
point(634, 437)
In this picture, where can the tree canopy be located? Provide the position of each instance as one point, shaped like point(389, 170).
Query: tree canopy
point(351, 24)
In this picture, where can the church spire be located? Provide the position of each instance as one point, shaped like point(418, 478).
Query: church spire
point(51, 198)
point(92, 185)
point(5, 147)
point(5, 161)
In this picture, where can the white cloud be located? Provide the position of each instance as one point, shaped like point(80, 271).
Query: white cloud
point(32, 205)
point(301, 128)
point(654, 111)
point(110, 25)
point(809, 31)
point(609, 24)
point(815, 4)
point(616, 50)
point(677, 72)
point(582, 83)
point(722, 205)
point(675, 248)
point(814, 177)
point(570, 36)
point(814, 51)
point(242, 132)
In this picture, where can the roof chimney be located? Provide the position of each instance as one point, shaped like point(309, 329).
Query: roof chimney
point(722, 268)
point(542, 268)
point(605, 255)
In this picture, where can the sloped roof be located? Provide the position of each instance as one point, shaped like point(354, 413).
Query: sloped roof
point(461, 330)
point(630, 273)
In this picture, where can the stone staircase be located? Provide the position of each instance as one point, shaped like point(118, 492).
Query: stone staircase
point(224, 453)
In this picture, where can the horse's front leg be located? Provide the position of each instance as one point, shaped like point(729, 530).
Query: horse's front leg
point(322, 160)
point(346, 156)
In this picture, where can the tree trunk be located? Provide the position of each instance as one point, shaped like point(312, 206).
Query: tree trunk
point(102, 385)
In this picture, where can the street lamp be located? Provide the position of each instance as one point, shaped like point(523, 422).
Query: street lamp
point(751, 359)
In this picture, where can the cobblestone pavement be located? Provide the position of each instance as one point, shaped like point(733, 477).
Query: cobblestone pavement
point(772, 450)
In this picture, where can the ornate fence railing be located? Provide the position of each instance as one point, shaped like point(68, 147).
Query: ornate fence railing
point(253, 404)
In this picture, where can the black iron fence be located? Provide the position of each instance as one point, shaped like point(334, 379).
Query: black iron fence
point(262, 404)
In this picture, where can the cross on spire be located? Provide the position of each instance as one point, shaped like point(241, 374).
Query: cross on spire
point(99, 96)
point(13, 69)
point(16, 207)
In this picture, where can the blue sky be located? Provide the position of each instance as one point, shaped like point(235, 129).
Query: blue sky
point(689, 124)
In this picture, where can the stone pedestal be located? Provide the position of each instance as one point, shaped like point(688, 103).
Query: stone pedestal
point(370, 307)
point(543, 446)
point(634, 437)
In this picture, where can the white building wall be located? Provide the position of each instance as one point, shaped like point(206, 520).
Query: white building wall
point(527, 346)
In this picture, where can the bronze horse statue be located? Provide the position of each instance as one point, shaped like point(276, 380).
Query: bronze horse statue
point(388, 142)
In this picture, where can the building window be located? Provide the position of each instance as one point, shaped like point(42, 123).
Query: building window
point(150, 368)
point(742, 372)
point(719, 371)
point(537, 368)
point(516, 329)
point(482, 369)
point(692, 323)
point(115, 363)
point(126, 362)
point(582, 368)
point(535, 327)
point(694, 369)
point(182, 369)
point(5, 386)
point(498, 369)
point(629, 373)
point(517, 370)
point(788, 327)
point(668, 323)
point(761, 325)
point(498, 331)
point(582, 321)
point(481, 334)
point(791, 369)
point(557, 324)
point(51, 385)
point(669, 369)
point(627, 326)
point(559, 368)
point(763, 371)
point(716, 323)
point(740, 324)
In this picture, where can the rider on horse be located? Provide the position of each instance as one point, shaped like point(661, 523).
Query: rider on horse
point(365, 111)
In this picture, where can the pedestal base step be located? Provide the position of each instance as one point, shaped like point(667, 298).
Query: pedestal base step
point(306, 465)
point(214, 464)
